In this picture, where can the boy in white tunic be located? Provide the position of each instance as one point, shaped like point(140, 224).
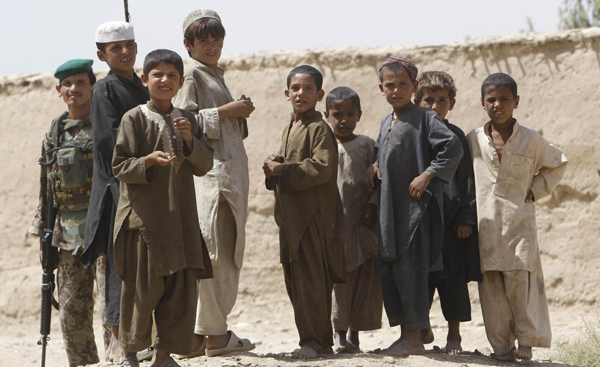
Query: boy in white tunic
point(222, 194)
point(357, 303)
point(514, 166)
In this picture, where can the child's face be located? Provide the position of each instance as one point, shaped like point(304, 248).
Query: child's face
point(397, 87)
point(75, 90)
point(206, 50)
point(163, 82)
point(343, 116)
point(499, 103)
point(120, 56)
point(303, 93)
point(438, 101)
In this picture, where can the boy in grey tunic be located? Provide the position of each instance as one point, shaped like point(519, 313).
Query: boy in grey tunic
point(357, 303)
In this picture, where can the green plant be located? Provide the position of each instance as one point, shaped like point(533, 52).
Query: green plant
point(584, 351)
point(579, 14)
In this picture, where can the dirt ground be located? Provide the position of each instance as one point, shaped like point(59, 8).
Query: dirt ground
point(267, 320)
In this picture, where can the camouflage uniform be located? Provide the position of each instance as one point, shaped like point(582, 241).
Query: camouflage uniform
point(75, 282)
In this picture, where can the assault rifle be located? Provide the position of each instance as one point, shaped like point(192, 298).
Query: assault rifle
point(49, 257)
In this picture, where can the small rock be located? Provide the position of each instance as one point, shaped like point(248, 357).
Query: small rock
point(388, 359)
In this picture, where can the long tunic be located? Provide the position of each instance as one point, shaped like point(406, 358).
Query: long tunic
point(70, 219)
point(355, 157)
point(308, 183)
point(418, 141)
point(112, 96)
point(157, 200)
point(202, 93)
point(507, 226)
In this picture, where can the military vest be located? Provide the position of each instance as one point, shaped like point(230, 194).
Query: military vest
point(71, 174)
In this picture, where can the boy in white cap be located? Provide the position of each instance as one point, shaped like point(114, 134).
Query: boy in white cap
point(222, 194)
point(112, 96)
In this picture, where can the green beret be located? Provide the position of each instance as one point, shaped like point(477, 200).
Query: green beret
point(73, 67)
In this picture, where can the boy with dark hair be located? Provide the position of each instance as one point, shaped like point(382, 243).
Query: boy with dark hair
point(416, 154)
point(514, 166)
point(159, 250)
point(117, 93)
point(222, 194)
point(357, 303)
point(308, 212)
point(460, 253)
point(67, 171)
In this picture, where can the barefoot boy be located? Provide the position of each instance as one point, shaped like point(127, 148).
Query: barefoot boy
point(159, 250)
point(416, 154)
point(304, 176)
point(460, 253)
point(514, 166)
point(222, 195)
point(112, 96)
point(357, 304)
point(70, 184)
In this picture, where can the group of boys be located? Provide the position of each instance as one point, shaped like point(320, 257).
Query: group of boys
point(362, 222)
point(420, 209)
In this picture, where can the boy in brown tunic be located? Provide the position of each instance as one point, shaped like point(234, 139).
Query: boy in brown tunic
point(159, 251)
point(304, 177)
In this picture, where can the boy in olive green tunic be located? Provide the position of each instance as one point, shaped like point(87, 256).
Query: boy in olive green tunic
point(304, 177)
point(159, 250)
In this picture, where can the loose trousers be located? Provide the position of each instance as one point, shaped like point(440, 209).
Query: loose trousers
point(172, 298)
point(309, 286)
point(217, 295)
point(358, 303)
point(514, 306)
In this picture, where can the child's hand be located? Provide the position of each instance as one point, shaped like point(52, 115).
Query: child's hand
point(529, 198)
point(419, 184)
point(185, 129)
point(370, 177)
point(276, 157)
point(463, 230)
point(273, 165)
point(368, 216)
point(242, 108)
point(159, 157)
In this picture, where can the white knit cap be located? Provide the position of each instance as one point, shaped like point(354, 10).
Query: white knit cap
point(114, 31)
point(194, 15)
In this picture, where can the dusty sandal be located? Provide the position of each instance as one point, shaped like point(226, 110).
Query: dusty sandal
point(232, 346)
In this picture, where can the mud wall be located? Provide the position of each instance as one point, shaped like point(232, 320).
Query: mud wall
point(557, 75)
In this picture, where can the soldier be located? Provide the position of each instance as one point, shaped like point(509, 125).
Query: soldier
point(70, 178)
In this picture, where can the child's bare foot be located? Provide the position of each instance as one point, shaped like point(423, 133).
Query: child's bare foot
point(507, 357)
point(411, 344)
point(339, 341)
point(453, 346)
point(427, 336)
point(352, 345)
point(351, 349)
point(453, 339)
point(524, 353)
point(306, 352)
